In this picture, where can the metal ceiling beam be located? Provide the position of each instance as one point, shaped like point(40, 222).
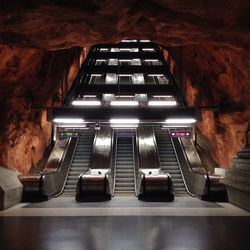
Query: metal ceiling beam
point(126, 55)
point(154, 114)
point(104, 69)
point(128, 45)
point(128, 89)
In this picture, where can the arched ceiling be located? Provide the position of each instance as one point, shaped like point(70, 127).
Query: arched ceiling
point(56, 24)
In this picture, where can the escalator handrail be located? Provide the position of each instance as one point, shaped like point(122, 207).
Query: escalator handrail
point(44, 173)
point(66, 177)
point(114, 167)
point(110, 173)
point(137, 166)
point(156, 148)
point(190, 167)
point(204, 175)
point(133, 146)
point(182, 175)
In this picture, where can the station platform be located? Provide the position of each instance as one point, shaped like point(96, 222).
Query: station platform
point(124, 223)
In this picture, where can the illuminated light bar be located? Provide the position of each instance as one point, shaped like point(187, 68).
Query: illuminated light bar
point(68, 120)
point(124, 121)
point(104, 49)
point(180, 121)
point(145, 41)
point(125, 60)
point(89, 96)
point(152, 60)
point(124, 126)
point(96, 75)
point(72, 126)
point(124, 103)
point(175, 126)
point(162, 96)
point(156, 75)
point(129, 41)
point(125, 96)
point(162, 103)
point(148, 49)
point(125, 49)
point(180, 134)
point(86, 103)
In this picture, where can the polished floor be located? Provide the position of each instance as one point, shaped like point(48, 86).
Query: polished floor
point(187, 223)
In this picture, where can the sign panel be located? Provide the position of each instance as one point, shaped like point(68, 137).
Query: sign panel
point(180, 134)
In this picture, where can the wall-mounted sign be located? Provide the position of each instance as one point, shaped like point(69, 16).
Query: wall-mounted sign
point(67, 134)
point(180, 134)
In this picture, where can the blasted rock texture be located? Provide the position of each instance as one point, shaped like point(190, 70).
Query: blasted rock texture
point(31, 80)
point(215, 36)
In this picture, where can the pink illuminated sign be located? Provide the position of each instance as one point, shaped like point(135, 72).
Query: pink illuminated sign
point(180, 134)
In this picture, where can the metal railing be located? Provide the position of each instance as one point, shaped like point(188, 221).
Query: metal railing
point(52, 183)
point(197, 182)
point(180, 167)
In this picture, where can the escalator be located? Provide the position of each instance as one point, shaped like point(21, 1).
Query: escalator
point(168, 159)
point(124, 172)
point(80, 162)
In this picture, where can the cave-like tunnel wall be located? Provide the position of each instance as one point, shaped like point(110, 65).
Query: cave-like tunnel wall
point(31, 80)
point(40, 52)
point(217, 79)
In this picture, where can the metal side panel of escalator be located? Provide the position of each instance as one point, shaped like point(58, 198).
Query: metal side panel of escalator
point(154, 184)
point(169, 160)
point(80, 162)
point(95, 183)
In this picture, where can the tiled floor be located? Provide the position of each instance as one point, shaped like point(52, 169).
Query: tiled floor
point(187, 223)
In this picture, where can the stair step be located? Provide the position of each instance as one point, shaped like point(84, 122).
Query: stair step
point(124, 189)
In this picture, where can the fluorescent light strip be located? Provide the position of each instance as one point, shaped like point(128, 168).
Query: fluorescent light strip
point(145, 41)
point(148, 49)
point(124, 121)
point(125, 96)
point(86, 103)
point(152, 60)
point(124, 126)
point(68, 120)
point(124, 103)
point(72, 126)
point(155, 75)
point(125, 60)
point(175, 126)
point(129, 41)
point(96, 75)
point(162, 96)
point(180, 121)
point(123, 49)
point(89, 96)
point(162, 103)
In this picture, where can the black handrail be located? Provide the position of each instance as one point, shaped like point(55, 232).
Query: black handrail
point(197, 182)
point(53, 183)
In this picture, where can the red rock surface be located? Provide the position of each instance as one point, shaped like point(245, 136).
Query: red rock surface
point(215, 36)
point(30, 80)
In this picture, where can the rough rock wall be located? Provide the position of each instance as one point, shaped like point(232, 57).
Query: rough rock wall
point(219, 77)
point(30, 80)
point(215, 35)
